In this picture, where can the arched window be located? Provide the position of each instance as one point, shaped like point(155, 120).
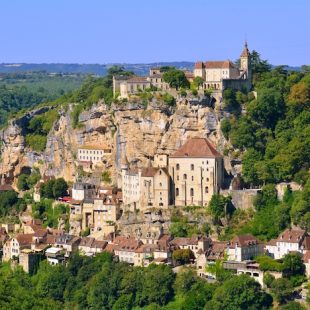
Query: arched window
point(192, 167)
point(177, 192)
point(184, 176)
point(192, 192)
point(206, 189)
point(178, 166)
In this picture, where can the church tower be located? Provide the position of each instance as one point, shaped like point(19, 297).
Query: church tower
point(245, 61)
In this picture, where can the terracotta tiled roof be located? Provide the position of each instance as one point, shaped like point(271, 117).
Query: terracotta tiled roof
point(216, 251)
point(292, 235)
point(5, 188)
point(128, 244)
point(87, 241)
point(149, 171)
point(40, 233)
point(306, 243)
point(243, 241)
point(24, 239)
point(99, 244)
point(272, 242)
point(226, 64)
point(199, 65)
point(197, 147)
point(110, 248)
point(51, 239)
point(306, 257)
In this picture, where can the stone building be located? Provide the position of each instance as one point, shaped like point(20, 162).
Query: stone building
point(93, 154)
point(290, 240)
point(218, 75)
point(82, 191)
point(146, 188)
point(196, 172)
point(244, 247)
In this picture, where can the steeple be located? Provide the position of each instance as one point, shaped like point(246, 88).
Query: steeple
point(245, 52)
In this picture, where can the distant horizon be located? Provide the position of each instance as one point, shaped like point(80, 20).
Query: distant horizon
point(16, 64)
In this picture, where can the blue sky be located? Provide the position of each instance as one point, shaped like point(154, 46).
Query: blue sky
point(134, 31)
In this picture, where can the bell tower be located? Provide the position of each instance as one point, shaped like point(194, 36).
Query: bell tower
point(245, 61)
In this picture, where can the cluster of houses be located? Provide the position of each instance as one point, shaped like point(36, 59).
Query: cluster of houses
point(216, 75)
point(190, 176)
point(152, 246)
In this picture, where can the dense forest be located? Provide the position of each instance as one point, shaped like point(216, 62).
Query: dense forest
point(21, 91)
point(101, 283)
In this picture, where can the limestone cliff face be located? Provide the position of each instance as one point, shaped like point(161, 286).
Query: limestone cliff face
point(133, 130)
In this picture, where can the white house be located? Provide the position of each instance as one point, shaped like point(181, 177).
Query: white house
point(244, 247)
point(291, 240)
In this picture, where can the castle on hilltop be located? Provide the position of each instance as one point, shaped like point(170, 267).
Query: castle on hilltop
point(218, 75)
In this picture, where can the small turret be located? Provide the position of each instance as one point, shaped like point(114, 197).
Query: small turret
point(245, 62)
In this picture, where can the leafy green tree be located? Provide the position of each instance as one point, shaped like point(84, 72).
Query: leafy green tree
point(240, 292)
point(249, 171)
point(199, 294)
point(198, 81)
point(182, 256)
point(184, 281)
point(268, 108)
point(281, 289)
point(169, 100)
point(293, 265)
point(7, 201)
point(225, 127)
point(219, 207)
point(158, 282)
point(22, 182)
point(268, 279)
point(124, 302)
point(293, 305)
point(258, 65)
point(176, 79)
point(60, 188)
point(230, 101)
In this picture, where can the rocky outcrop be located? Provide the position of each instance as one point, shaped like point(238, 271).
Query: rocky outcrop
point(132, 130)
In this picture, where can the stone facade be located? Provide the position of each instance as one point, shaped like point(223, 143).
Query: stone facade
point(218, 75)
point(92, 154)
point(145, 188)
point(196, 171)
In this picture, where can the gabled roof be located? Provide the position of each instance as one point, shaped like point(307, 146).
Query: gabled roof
point(24, 239)
point(292, 235)
point(197, 147)
point(243, 241)
point(199, 65)
point(6, 187)
point(216, 251)
point(306, 243)
point(128, 244)
point(226, 64)
point(151, 171)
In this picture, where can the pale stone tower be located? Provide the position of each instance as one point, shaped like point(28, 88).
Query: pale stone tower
point(245, 62)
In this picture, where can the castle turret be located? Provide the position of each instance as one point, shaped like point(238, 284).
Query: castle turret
point(245, 61)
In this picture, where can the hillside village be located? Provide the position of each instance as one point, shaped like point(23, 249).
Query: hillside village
point(126, 196)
